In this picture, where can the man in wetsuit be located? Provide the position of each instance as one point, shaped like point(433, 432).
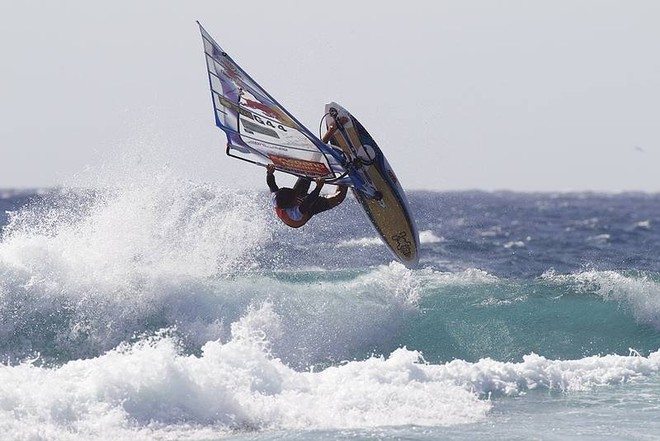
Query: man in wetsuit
point(294, 206)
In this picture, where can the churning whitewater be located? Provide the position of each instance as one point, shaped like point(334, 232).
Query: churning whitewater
point(168, 309)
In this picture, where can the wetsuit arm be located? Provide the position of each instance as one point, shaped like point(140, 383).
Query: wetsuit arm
point(270, 180)
point(309, 200)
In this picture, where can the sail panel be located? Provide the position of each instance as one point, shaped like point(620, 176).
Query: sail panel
point(258, 128)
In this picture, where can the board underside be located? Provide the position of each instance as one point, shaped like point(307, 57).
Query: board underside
point(391, 215)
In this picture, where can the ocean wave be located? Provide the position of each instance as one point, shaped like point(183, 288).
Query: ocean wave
point(238, 385)
point(488, 376)
point(79, 284)
point(639, 292)
point(82, 271)
point(151, 389)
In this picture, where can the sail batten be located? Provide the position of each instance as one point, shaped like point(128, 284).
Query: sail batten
point(258, 128)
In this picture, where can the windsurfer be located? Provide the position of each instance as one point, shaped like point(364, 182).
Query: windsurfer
point(295, 206)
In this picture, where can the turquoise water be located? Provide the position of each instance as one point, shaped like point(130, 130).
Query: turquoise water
point(175, 310)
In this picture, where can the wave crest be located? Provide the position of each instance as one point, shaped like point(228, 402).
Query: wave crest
point(639, 292)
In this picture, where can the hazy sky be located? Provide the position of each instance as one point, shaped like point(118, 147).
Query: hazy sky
point(520, 95)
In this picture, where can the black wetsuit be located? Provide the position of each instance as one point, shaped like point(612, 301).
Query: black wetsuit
point(311, 203)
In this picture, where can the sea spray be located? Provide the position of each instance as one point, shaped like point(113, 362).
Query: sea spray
point(82, 271)
point(110, 266)
point(637, 292)
point(323, 322)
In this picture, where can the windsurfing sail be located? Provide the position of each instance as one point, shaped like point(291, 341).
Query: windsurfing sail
point(261, 131)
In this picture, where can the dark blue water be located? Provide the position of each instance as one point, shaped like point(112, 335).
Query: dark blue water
point(524, 235)
point(186, 310)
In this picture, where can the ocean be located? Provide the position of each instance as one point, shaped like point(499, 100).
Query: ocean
point(166, 309)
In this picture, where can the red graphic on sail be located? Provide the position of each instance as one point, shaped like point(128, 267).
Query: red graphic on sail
point(300, 166)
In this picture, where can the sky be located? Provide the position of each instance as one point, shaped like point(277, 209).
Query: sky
point(560, 95)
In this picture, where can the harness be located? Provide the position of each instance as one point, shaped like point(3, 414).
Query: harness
point(284, 216)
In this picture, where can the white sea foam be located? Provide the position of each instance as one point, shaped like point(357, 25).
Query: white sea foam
point(495, 231)
point(81, 283)
point(470, 276)
point(425, 237)
point(640, 293)
point(488, 376)
point(599, 239)
point(362, 242)
point(150, 390)
point(332, 320)
point(170, 227)
point(90, 269)
point(100, 264)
